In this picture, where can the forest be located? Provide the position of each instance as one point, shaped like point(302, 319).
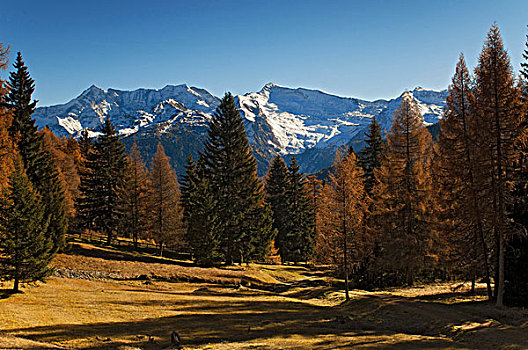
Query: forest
point(403, 210)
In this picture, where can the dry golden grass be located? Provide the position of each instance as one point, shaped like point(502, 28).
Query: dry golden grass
point(285, 307)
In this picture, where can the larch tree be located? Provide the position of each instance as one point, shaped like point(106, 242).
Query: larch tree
point(403, 195)
point(516, 265)
point(65, 160)
point(342, 205)
point(134, 198)
point(244, 218)
point(166, 209)
point(6, 144)
point(38, 163)
point(26, 247)
point(460, 192)
point(497, 102)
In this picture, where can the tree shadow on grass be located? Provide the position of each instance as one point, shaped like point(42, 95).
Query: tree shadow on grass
point(116, 255)
point(6, 293)
point(229, 323)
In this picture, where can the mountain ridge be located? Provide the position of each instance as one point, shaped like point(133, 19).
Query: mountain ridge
point(308, 123)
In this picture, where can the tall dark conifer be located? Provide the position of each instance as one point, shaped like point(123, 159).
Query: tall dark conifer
point(199, 214)
point(85, 203)
point(26, 247)
point(276, 195)
point(109, 163)
point(371, 156)
point(38, 163)
point(232, 170)
point(298, 241)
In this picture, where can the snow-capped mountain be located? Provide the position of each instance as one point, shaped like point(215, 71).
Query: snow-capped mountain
point(309, 124)
point(128, 110)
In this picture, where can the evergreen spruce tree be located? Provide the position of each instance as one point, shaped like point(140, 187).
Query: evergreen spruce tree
point(38, 163)
point(298, 241)
point(199, 214)
point(86, 203)
point(26, 247)
point(232, 171)
point(134, 197)
point(108, 165)
point(276, 187)
point(371, 156)
point(166, 210)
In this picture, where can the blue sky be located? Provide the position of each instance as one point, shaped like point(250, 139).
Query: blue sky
point(366, 49)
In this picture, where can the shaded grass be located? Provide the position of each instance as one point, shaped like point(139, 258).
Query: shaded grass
point(279, 307)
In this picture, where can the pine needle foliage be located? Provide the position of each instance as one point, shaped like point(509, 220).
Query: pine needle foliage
point(26, 247)
point(199, 215)
point(38, 163)
point(244, 227)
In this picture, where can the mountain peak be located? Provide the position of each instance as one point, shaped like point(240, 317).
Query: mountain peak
point(93, 89)
point(270, 85)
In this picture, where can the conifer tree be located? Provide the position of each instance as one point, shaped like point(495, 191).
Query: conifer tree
point(134, 197)
point(232, 171)
point(199, 214)
point(341, 234)
point(313, 187)
point(403, 201)
point(371, 156)
point(38, 163)
point(516, 265)
point(276, 187)
point(108, 165)
point(298, 240)
point(26, 247)
point(167, 212)
point(497, 105)
point(462, 216)
point(85, 202)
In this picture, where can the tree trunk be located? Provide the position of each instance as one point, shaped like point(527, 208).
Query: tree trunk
point(345, 248)
point(15, 286)
point(135, 238)
point(500, 291)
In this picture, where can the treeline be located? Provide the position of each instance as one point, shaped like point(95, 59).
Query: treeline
point(424, 210)
point(403, 209)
